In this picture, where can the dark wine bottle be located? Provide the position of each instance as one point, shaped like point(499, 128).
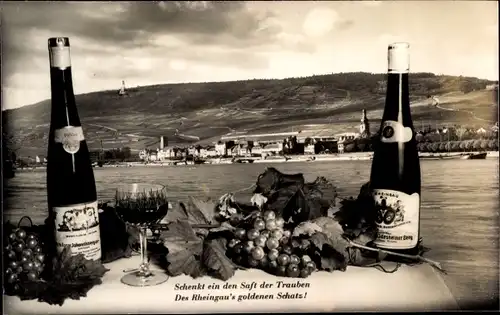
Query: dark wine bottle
point(71, 188)
point(395, 174)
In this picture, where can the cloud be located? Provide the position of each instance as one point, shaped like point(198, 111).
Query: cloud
point(125, 26)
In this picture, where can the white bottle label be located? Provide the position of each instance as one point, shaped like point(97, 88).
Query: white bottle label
point(393, 131)
point(398, 216)
point(77, 226)
point(70, 137)
point(59, 57)
point(398, 58)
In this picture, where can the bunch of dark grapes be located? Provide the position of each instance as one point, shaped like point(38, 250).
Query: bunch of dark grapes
point(265, 243)
point(24, 258)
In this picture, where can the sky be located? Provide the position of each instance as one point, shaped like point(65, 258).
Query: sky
point(145, 43)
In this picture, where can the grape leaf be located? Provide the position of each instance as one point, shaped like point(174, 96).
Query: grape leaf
point(215, 259)
point(68, 268)
point(202, 212)
point(176, 213)
point(184, 249)
point(306, 228)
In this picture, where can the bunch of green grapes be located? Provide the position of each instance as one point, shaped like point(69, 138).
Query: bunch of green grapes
point(265, 243)
point(24, 258)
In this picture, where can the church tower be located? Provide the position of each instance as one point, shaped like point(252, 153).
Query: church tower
point(364, 127)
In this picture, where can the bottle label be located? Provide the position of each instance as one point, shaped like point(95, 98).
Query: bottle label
point(393, 131)
point(77, 226)
point(398, 216)
point(70, 137)
point(59, 57)
point(399, 58)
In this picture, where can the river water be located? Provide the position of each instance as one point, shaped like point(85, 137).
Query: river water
point(460, 205)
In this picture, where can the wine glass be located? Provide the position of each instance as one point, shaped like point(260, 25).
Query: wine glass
point(141, 205)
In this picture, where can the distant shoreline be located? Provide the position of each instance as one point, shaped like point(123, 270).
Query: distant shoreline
point(357, 156)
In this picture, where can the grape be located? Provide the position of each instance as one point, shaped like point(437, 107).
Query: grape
point(252, 234)
point(11, 255)
point(260, 241)
point(305, 272)
point(39, 269)
point(271, 224)
point(284, 240)
point(280, 222)
point(13, 264)
point(295, 244)
point(32, 243)
point(272, 243)
point(31, 237)
point(293, 270)
point(287, 249)
point(32, 276)
point(273, 254)
point(8, 271)
point(238, 248)
point(258, 253)
point(40, 257)
point(248, 246)
point(287, 233)
point(38, 249)
point(259, 224)
point(272, 265)
point(264, 262)
point(277, 234)
point(269, 215)
point(305, 259)
point(233, 243)
point(21, 234)
point(304, 244)
point(238, 260)
point(311, 266)
point(283, 259)
point(19, 247)
point(19, 269)
point(8, 247)
point(281, 271)
point(294, 260)
point(266, 234)
point(12, 237)
point(12, 278)
point(240, 233)
point(28, 266)
point(24, 259)
point(252, 262)
point(27, 253)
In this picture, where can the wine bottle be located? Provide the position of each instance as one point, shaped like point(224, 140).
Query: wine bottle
point(71, 188)
point(395, 174)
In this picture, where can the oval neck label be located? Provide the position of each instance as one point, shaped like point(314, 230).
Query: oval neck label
point(393, 131)
point(70, 137)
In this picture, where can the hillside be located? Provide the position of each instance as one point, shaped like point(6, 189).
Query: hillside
point(210, 110)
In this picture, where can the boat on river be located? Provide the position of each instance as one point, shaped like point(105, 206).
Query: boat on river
point(475, 156)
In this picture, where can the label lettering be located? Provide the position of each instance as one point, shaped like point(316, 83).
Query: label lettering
point(398, 216)
point(393, 131)
point(77, 226)
point(70, 137)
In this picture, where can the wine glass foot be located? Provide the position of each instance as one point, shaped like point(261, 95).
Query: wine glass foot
point(135, 279)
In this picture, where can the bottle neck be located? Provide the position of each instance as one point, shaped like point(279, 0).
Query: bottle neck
point(64, 112)
point(397, 102)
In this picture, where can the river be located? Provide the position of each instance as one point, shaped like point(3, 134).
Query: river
point(460, 205)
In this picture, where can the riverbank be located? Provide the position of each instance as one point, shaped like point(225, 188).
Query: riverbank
point(355, 156)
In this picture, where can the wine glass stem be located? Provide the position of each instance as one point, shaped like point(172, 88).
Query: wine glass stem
point(144, 268)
